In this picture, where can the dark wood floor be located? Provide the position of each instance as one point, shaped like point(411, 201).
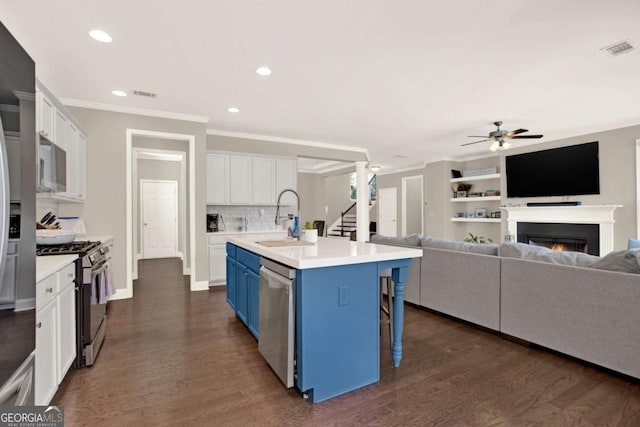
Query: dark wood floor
point(173, 357)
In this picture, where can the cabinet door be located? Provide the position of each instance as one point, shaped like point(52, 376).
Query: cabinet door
point(46, 382)
point(8, 285)
point(253, 288)
point(240, 180)
point(286, 177)
point(72, 160)
point(264, 181)
point(217, 263)
point(46, 116)
point(66, 329)
point(232, 295)
point(217, 179)
point(61, 130)
point(241, 303)
point(81, 164)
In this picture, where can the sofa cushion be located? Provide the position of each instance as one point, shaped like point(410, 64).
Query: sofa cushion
point(542, 254)
point(412, 240)
point(453, 245)
point(626, 261)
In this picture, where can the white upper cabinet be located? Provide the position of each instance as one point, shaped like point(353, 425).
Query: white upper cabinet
point(217, 179)
point(61, 130)
point(237, 179)
point(45, 116)
point(240, 180)
point(286, 177)
point(72, 160)
point(264, 180)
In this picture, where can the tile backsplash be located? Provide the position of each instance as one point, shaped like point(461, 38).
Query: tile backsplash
point(258, 217)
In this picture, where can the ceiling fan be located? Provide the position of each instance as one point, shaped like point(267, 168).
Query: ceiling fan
point(499, 137)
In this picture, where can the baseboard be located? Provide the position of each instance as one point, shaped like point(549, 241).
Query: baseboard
point(202, 285)
point(121, 294)
point(180, 255)
point(25, 304)
point(138, 257)
point(186, 271)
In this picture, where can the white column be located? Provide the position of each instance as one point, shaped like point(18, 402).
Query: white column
point(362, 202)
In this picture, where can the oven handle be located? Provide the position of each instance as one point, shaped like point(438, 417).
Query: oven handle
point(104, 266)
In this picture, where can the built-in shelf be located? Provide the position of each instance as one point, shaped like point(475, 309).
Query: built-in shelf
point(475, 219)
point(476, 199)
point(476, 178)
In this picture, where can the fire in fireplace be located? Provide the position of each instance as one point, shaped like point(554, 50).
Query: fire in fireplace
point(561, 237)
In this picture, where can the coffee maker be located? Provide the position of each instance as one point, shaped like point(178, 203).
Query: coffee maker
point(214, 223)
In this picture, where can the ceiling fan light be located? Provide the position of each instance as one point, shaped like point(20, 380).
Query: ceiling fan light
point(494, 146)
point(505, 145)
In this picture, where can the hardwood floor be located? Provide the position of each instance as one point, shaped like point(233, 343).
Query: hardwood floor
point(173, 357)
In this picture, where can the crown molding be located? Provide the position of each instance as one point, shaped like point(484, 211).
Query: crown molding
point(288, 141)
point(7, 108)
point(327, 169)
point(71, 102)
point(407, 169)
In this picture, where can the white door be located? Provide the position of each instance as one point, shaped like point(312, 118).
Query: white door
point(412, 205)
point(159, 219)
point(387, 212)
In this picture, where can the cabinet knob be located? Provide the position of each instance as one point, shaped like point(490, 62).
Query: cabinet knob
point(39, 325)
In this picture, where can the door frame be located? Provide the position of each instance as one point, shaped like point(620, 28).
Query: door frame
point(127, 292)
point(404, 203)
point(379, 202)
point(141, 209)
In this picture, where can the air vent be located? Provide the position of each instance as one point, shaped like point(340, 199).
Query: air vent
point(143, 93)
point(618, 48)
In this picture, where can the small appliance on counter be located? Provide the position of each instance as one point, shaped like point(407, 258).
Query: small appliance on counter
point(215, 222)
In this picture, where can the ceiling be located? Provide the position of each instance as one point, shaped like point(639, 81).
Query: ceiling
point(410, 78)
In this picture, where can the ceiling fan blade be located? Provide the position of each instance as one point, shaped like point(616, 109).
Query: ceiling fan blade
point(517, 131)
point(475, 142)
point(527, 137)
point(476, 136)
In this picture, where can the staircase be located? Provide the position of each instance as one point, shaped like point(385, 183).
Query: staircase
point(347, 221)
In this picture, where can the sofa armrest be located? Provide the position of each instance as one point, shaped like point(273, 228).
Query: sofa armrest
point(587, 313)
point(462, 284)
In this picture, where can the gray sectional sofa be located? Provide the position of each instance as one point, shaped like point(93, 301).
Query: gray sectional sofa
point(584, 306)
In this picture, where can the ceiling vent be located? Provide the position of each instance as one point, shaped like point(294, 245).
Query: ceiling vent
point(618, 48)
point(143, 93)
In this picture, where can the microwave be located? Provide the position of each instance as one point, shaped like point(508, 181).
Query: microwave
point(52, 166)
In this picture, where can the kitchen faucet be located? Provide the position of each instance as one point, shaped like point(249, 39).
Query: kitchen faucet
point(278, 206)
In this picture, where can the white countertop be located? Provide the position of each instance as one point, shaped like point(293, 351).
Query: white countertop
point(238, 232)
point(328, 252)
point(46, 265)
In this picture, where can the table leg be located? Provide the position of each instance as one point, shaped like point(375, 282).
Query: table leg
point(399, 276)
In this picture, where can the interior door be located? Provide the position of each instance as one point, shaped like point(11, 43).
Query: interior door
point(387, 212)
point(159, 219)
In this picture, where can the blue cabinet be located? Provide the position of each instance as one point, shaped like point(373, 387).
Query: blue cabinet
point(232, 288)
point(243, 285)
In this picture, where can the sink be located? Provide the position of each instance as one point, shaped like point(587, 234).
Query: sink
point(284, 242)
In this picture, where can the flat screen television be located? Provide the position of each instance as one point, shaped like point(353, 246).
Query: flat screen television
point(565, 171)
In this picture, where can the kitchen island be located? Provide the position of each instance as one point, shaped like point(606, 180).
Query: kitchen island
point(337, 307)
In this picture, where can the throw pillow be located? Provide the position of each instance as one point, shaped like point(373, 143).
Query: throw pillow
point(633, 244)
point(452, 245)
point(626, 261)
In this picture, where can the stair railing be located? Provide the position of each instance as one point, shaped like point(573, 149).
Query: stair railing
point(372, 182)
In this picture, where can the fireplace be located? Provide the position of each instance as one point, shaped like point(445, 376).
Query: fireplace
point(561, 236)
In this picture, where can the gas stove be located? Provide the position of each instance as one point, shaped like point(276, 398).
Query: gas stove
point(79, 247)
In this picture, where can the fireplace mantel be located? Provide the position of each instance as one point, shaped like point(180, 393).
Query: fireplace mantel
point(596, 214)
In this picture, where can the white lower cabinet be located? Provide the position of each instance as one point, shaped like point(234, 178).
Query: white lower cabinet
point(55, 331)
point(217, 263)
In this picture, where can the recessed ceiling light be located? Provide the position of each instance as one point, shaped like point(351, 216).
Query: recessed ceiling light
point(233, 109)
point(264, 71)
point(101, 36)
point(119, 92)
point(374, 168)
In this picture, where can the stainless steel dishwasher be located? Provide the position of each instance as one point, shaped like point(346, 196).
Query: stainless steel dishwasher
point(277, 318)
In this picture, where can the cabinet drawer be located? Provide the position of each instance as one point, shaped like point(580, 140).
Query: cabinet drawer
point(251, 260)
point(46, 290)
point(67, 276)
point(215, 240)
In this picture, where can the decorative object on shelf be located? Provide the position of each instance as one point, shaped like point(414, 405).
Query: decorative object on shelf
point(480, 212)
point(471, 215)
point(461, 215)
point(460, 194)
point(509, 238)
point(477, 239)
point(456, 173)
point(497, 214)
